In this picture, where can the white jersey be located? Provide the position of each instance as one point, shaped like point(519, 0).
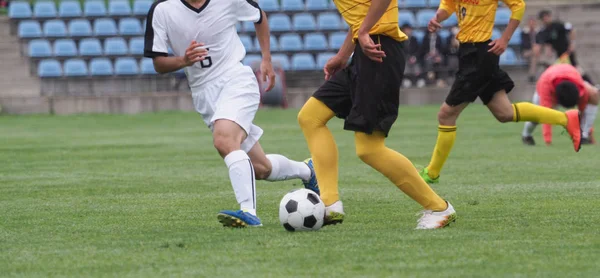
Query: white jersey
point(175, 24)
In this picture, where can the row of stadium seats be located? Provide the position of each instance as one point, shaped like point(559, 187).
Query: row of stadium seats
point(69, 8)
point(80, 28)
point(317, 5)
point(88, 47)
point(96, 67)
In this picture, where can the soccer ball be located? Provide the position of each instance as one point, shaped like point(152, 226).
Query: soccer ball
point(301, 210)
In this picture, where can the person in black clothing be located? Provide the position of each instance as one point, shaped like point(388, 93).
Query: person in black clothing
point(529, 48)
point(561, 37)
point(413, 70)
point(431, 56)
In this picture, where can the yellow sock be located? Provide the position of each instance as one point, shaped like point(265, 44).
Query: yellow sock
point(529, 112)
point(443, 146)
point(313, 118)
point(397, 168)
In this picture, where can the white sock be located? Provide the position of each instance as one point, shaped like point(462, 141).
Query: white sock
point(241, 174)
point(528, 129)
point(283, 168)
point(589, 116)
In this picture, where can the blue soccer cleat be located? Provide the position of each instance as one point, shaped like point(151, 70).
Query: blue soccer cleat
point(312, 183)
point(238, 219)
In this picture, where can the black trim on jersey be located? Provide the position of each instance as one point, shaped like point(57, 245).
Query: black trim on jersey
point(149, 35)
point(192, 7)
point(254, 4)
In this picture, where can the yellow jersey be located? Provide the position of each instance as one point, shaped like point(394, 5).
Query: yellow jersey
point(355, 11)
point(476, 17)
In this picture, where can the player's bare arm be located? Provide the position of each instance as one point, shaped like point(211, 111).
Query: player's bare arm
point(517, 8)
point(372, 50)
point(264, 40)
point(193, 54)
point(339, 61)
point(436, 22)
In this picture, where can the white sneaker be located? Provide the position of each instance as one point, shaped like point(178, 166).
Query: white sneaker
point(334, 214)
point(436, 219)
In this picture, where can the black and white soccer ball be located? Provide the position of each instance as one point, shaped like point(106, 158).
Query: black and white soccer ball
point(301, 210)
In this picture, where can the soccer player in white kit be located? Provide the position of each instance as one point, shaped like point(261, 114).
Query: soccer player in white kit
point(204, 40)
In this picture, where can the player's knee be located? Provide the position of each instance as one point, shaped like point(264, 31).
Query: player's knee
point(261, 171)
point(447, 116)
point(305, 120)
point(365, 154)
point(225, 143)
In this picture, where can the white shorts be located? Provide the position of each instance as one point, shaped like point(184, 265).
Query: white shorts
point(234, 96)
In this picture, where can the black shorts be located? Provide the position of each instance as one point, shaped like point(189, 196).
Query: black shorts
point(367, 93)
point(478, 75)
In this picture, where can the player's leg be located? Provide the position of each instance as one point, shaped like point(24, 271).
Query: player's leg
point(331, 99)
point(371, 149)
point(527, 134)
point(505, 111)
point(276, 167)
point(589, 114)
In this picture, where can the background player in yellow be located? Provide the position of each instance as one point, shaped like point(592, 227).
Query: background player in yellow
point(366, 95)
point(479, 75)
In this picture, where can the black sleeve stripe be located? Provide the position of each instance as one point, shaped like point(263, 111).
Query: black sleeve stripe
point(149, 35)
point(254, 4)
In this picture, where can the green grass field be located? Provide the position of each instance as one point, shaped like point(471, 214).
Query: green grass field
point(123, 196)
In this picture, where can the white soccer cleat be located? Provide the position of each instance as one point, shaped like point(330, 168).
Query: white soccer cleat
point(334, 214)
point(436, 219)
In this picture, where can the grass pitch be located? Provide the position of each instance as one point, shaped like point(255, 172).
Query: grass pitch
point(121, 196)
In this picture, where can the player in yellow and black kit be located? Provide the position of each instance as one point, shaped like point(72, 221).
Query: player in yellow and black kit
point(480, 76)
point(366, 95)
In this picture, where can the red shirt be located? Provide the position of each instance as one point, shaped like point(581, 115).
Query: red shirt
point(546, 90)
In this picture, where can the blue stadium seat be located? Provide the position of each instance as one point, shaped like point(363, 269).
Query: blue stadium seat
point(290, 42)
point(304, 22)
point(509, 57)
point(332, 5)
point(434, 3)
point(141, 7)
point(248, 26)
point(247, 42)
point(19, 10)
point(252, 59)
point(337, 39)
point(130, 27)
point(303, 61)
point(147, 67)
point(55, 28)
point(516, 38)
point(69, 9)
point(136, 46)
point(29, 29)
point(315, 41)
point(80, 28)
point(317, 5)
point(419, 35)
point(94, 8)
point(49, 68)
point(292, 5)
point(282, 60)
point(105, 27)
point(119, 8)
point(39, 49)
point(406, 17)
point(496, 34)
point(274, 44)
point(444, 34)
point(451, 21)
point(90, 47)
point(502, 16)
point(269, 5)
point(65, 48)
point(423, 17)
point(279, 22)
point(101, 67)
point(415, 3)
point(126, 66)
point(115, 46)
point(322, 59)
point(44, 9)
point(75, 67)
point(329, 21)
point(238, 27)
